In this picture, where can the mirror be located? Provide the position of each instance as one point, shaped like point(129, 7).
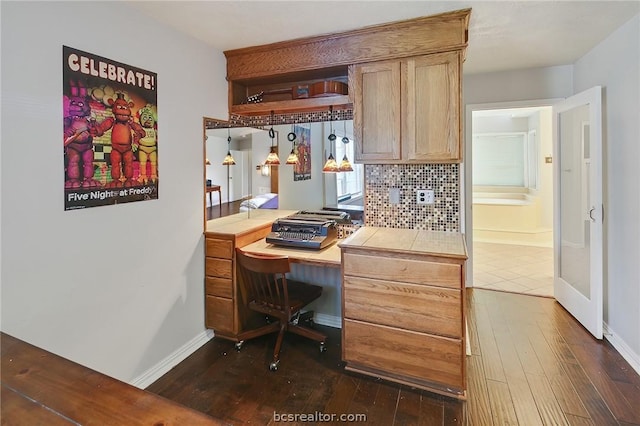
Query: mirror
point(249, 186)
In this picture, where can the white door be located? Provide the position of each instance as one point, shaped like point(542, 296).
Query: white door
point(238, 185)
point(578, 209)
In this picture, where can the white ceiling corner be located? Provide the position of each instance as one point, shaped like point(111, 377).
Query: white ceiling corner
point(503, 35)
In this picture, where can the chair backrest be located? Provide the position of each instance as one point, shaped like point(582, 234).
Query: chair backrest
point(263, 282)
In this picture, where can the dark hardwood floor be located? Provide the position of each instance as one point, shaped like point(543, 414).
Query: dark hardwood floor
point(531, 363)
point(225, 209)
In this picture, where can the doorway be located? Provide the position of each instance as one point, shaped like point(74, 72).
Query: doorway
point(511, 181)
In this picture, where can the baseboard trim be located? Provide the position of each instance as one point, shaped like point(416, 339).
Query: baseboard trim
point(621, 346)
point(328, 320)
point(179, 355)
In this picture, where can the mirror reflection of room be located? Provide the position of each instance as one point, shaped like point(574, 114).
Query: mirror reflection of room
point(252, 186)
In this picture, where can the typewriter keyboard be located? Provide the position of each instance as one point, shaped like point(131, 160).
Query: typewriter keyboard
point(296, 235)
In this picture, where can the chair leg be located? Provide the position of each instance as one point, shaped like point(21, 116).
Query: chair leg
point(308, 332)
point(276, 351)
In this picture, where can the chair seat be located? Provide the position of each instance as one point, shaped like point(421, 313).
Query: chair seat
point(300, 295)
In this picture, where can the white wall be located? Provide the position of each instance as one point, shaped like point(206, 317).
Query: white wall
point(615, 65)
point(518, 85)
point(116, 288)
point(542, 221)
point(541, 122)
point(519, 88)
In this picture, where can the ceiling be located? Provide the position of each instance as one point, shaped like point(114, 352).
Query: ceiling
point(503, 35)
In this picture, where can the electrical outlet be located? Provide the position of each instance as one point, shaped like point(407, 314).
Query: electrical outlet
point(425, 196)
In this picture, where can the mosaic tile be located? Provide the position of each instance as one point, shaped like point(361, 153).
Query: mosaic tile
point(443, 179)
point(260, 121)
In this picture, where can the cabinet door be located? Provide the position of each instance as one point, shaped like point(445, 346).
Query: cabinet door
point(376, 111)
point(431, 108)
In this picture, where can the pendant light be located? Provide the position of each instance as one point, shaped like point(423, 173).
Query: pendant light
point(272, 158)
point(331, 166)
point(293, 157)
point(345, 165)
point(228, 160)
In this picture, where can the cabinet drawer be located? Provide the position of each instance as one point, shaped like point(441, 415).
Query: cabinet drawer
point(219, 313)
point(222, 287)
point(404, 353)
point(218, 248)
point(414, 307)
point(222, 268)
point(405, 270)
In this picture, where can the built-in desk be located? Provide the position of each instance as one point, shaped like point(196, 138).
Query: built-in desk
point(397, 294)
point(224, 312)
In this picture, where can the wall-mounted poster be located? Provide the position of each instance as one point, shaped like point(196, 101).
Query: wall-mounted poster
point(110, 131)
point(302, 170)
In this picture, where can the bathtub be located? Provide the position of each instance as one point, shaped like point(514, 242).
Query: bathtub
point(511, 217)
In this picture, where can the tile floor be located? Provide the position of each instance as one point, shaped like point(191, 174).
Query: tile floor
point(513, 268)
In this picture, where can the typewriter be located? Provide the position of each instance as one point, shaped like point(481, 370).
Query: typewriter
point(304, 231)
point(337, 216)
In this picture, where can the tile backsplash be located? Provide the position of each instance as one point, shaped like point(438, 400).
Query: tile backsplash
point(443, 179)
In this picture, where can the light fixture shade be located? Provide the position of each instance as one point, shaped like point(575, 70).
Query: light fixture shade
point(272, 158)
point(292, 158)
point(228, 160)
point(345, 165)
point(331, 166)
point(207, 162)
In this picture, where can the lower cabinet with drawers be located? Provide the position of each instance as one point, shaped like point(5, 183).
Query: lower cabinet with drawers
point(403, 309)
point(224, 311)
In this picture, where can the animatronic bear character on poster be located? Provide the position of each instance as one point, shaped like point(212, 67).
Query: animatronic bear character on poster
point(110, 131)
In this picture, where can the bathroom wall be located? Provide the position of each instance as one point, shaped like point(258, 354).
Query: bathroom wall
point(516, 215)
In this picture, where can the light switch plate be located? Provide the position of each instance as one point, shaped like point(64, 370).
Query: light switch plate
point(425, 196)
point(394, 195)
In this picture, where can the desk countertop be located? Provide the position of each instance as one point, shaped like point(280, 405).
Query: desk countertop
point(241, 223)
point(439, 243)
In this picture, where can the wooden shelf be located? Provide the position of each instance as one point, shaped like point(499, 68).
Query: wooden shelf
point(283, 65)
point(310, 104)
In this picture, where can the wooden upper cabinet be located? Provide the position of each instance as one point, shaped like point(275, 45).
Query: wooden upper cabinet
point(431, 108)
point(376, 104)
point(280, 73)
point(407, 111)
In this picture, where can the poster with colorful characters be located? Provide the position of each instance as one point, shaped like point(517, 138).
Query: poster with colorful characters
point(302, 170)
point(110, 131)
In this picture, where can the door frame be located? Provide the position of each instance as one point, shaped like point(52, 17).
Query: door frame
point(466, 183)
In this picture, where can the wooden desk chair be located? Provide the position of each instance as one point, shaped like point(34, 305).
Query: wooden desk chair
point(266, 289)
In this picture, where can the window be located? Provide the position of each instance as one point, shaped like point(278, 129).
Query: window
point(348, 184)
point(505, 159)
